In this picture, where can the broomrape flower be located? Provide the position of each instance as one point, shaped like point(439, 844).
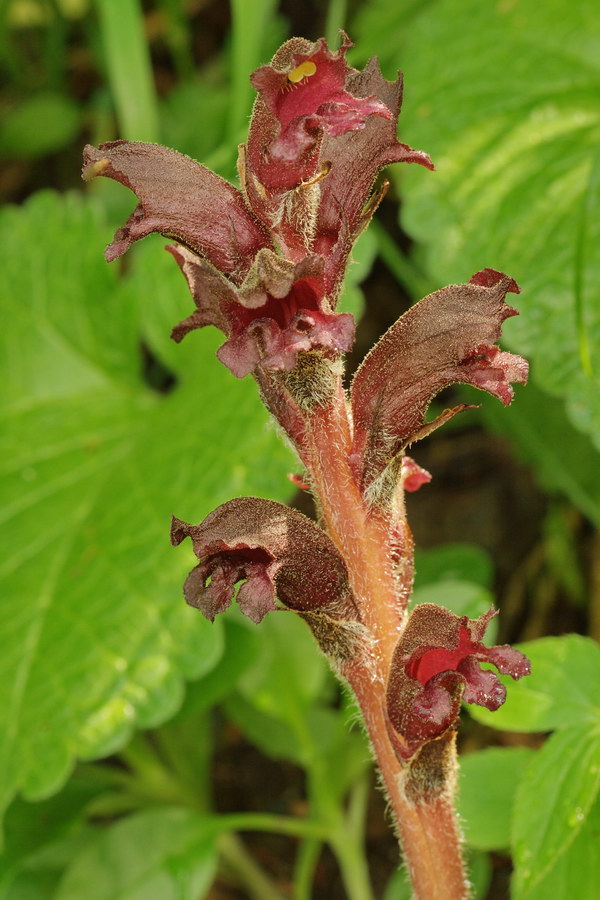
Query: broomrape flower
point(265, 264)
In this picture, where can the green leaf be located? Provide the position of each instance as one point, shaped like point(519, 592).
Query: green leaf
point(453, 562)
point(381, 27)
point(488, 783)
point(575, 873)
point(554, 798)
point(40, 838)
point(275, 738)
point(37, 876)
point(514, 133)
point(242, 647)
point(276, 704)
point(290, 672)
point(95, 636)
point(166, 854)
point(563, 688)
point(564, 459)
point(41, 124)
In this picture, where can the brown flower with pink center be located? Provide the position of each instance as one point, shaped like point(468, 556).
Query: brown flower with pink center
point(435, 666)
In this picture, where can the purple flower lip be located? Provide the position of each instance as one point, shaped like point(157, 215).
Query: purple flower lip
point(435, 666)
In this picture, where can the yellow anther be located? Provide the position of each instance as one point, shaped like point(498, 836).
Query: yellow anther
point(95, 168)
point(304, 70)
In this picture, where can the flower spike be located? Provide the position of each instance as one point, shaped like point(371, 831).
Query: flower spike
point(265, 264)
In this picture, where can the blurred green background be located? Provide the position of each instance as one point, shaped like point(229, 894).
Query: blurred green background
point(145, 753)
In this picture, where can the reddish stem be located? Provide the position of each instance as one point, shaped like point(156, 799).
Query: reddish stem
point(427, 828)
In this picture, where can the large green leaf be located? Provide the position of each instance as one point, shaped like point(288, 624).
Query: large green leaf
point(95, 636)
point(488, 783)
point(562, 690)
point(511, 120)
point(539, 429)
point(575, 873)
point(276, 704)
point(164, 854)
point(554, 799)
point(42, 837)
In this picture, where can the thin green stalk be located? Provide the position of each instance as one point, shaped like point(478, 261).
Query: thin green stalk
point(348, 844)
point(249, 22)
point(245, 870)
point(288, 825)
point(401, 266)
point(353, 866)
point(186, 748)
point(345, 831)
point(55, 42)
point(304, 869)
point(127, 60)
point(178, 37)
point(336, 20)
point(357, 809)
point(11, 58)
point(582, 243)
point(150, 780)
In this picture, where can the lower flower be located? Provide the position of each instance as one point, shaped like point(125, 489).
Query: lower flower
point(435, 666)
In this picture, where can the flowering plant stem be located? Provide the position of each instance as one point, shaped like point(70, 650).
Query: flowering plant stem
point(428, 832)
point(265, 265)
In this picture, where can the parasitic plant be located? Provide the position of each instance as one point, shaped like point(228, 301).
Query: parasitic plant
point(265, 264)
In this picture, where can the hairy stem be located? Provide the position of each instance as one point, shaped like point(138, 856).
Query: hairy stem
point(426, 825)
point(427, 830)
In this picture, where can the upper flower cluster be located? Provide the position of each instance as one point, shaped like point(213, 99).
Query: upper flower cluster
point(265, 263)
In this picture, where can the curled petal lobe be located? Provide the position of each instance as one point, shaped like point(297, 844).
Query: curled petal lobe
point(491, 369)
point(436, 664)
point(213, 293)
point(412, 475)
point(447, 337)
point(275, 551)
point(179, 198)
